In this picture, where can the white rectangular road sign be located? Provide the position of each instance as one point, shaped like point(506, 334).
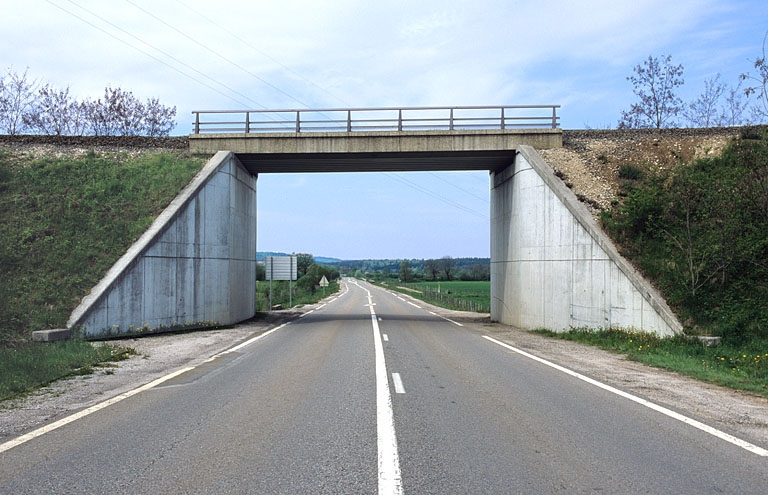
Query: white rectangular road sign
point(282, 268)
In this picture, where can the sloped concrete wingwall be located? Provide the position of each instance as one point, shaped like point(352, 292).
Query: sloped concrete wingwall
point(553, 267)
point(196, 264)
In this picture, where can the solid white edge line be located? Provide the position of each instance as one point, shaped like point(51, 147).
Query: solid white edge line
point(90, 410)
point(114, 400)
point(398, 382)
point(390, 478)
point(446, 319)
point(661, 409)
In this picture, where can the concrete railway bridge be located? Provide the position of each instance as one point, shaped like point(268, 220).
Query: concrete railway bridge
point(551, 265)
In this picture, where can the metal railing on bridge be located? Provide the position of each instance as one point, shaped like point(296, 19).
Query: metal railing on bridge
point(376, 119)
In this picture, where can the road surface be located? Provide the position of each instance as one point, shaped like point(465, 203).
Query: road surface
point(372, 393)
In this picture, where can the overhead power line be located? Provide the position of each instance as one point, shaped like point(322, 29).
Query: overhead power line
point(413, 185)
point(261, 52)
point(176, 69)
point(222, 57)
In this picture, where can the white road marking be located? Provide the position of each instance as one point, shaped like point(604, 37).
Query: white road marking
point(414, 305)
point(446, 319)
point(663, 410)
point(399, 389)
point(385, 337)
point(390, 479)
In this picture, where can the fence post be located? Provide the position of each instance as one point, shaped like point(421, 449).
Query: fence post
point(197, 122)
point(400, 120)
point(502, 119)
point(298, 121)
point(450, 124)
point(554, 117)
point(247, 122)
point(349, 120)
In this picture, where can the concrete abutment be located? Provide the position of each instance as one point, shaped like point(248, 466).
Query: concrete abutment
point(194, 266)
point(553, 267)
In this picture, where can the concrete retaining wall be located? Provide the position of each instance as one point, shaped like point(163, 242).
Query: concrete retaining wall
point(196, 264)
point(553, 267)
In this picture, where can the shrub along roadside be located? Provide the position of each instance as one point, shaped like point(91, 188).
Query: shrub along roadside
point(742, 366)
point(700, 232)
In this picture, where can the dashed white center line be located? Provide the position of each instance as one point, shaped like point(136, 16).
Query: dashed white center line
point(399, 389)
point(385, 337)
point(390, 478)
point(414, 305)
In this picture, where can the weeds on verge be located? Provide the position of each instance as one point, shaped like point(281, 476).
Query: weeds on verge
point(26, 366)
point(739, 365)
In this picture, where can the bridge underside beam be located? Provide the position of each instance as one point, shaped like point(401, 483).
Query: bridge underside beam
point(261, 163)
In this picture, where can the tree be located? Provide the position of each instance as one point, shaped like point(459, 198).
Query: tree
point(432, 268)
point(158, 119)
point(446, 265)
point(17, 94)
point(760, 85)
point(406, 272)
point(654, 83)
point(704, 111)
point(732, 113)
point(53, 112)
point(303, 262)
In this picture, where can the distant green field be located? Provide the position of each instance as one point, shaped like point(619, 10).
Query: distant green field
point(465, 296)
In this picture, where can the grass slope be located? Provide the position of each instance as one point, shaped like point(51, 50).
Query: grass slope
point(65, 220)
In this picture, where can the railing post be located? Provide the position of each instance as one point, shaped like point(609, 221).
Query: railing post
point(349, 120)
point(503, 123)
point(298, 121)
point(400, 119)
point(554, 117)
point(247, 122)
point(197, 122)
point(450, 124)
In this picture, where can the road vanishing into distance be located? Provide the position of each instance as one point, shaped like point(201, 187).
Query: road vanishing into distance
point(372, 393)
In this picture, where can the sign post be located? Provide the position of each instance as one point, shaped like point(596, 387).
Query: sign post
point(323, 284)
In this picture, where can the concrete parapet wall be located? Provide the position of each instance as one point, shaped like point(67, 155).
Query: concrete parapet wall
point(553, 267)
point(196, 264)
point(371, 142)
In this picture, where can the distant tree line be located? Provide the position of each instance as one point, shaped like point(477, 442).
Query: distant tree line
point(655, 83)
point(30, 107)
point(445, 268)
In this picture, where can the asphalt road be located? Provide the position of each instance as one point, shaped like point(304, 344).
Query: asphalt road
point(372, 393)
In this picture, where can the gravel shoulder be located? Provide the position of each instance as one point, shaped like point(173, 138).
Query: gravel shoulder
point(738, 413)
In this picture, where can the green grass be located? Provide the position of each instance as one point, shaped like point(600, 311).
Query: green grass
point(742, 366)
point(27, 366)
point(460, 295)
point(65, 221)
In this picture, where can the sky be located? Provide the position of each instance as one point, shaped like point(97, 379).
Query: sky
point(258, 54)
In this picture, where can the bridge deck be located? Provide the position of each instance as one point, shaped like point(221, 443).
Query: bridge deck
point(431, 150)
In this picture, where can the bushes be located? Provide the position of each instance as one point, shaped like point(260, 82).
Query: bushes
point(701, 233)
